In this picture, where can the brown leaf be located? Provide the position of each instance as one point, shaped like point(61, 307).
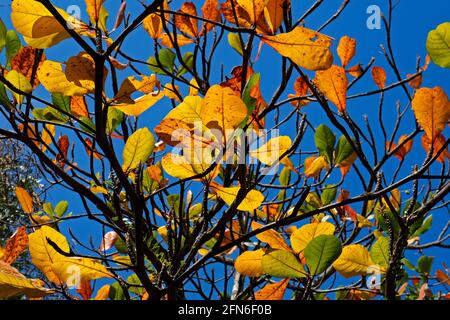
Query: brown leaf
point(301, 89)
point(15, 245)
point(63, 146)
point(90, 150)
point(379, 77)
point(85, 289)
point(210, 11)
point(23, 63)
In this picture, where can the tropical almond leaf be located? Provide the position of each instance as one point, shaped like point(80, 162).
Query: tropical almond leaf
point(25, 200)
point(138, 148)
point(305, 47)
point(432, 110)
point(438, 45)
point(282, 264)
point(271, 237)
point(272, 291)
point(19, 81)
point(43, 254)
point(302, 236)
point(68, 269)
point(249, 263)
point(333, 83)
point(321, 252)
point(270, 152)
point(54, 79)
point(380, 252)
point(379, 77)
point(355, 260)
point(15, 245)
point(140, 105)
point(346, 50)
point(252, 200)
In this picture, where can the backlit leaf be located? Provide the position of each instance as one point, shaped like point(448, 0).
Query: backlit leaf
point(138, 148)
point(282, 264)
point(272, 291)
point(252, 200)
point(249, 263)
point(438, 45)
point(333, 83)
point(302, 236)
point(271, 237)
point(321, 252)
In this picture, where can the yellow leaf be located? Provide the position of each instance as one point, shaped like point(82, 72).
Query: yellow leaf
point(138, 148)
point(140, 105)
point(333, 83)
point(432, 110)
point(43, 255)
point(98, 189)
point(272, 291)
point(19, 81)
point(179, 167)
point(47, 136)
point(168, 41)
point(193, 87)
point(313, 166)
point(254, 8)
point(72, 270)
point(153, 23)
point(186, 24)
point(379, 77)
point(249, 263)
point(15, 245)
point(93, 8)
point(222, 108)
point(273, 12)
point(188, 111)
point(302, 236)
point(270, 153)
point(305, 47)
point(252, 200)
point(355, 260)
point(25, 200)
point(346, 50)
point(13, 283)
point(271, 237)
point(53, 78)
point(130, 85)
point(38, 26)
point(103, 293)
point(172, 91)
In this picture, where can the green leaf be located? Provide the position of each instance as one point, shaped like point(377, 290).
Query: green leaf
point(285, 176)
point(61, 102)
point(87, 124)
point(426, 225)
point(235, 43)
point(12, 45)
point(49, 114)
point(325, 141)
point(4, 100)
point(121, 246)
point(249, 101)
point(116, 292)
point(2, 35)
point(282, 264)
point(424, 264)
point(343, 150)
point(61, 208)
point(408, 264)
point(138, 148)
point(188, 59)
point(135, 285)
point(321, 252)
point(48, 209)
point(19, 81)
point(328, 194)
point(380, 252)
point(438, 45)
point(166, 59)
point(115, 117)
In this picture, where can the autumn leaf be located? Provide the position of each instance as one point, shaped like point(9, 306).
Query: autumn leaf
point(185, 23)
point(272, 291)
point(271, 237)
point(13, 283)
point(379, 77)
point(140, 105)
point(439, 142)
point(43, 254)
point(93, 8)
point(19, 81)
point(314, 165)
point(169, 41)
point(131, 85)
point(23, 63)
point(403, 150)
point(282, 264)
point(80, 70)
point(333, 83)
point(270, 153)
point(305, 47)
point(25, 200)
point(85, 290)
point(15, 245)
point(273, 12)
point(88, 269)
point(301, 89)
point(438, 45)
point(78, 106)
point(254, 8)
point(355, 260)
point(103, 292)
point(153, 23)
point(63, 146)
point(432, 110)
point(249, 263)
point(54, 79)
point(210, 11)
point(90, 149)
point(181, 167)
point(346, 50)
point(138, 148)
point(252, 200)
point(301, 237)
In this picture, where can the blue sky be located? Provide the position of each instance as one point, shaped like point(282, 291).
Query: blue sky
point(412, 21)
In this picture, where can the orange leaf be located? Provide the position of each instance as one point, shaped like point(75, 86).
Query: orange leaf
point(437, 145)
point(271, 237)
point(181, 40)
point(93, 8)
point(273, 291)
point(333, 83)
point(415, 83)
point(63, 145)
point(185, 23)
point(301, 89)
point(78, 106)
point(15, 245)
point(432, 110)
point(23, 63)
point(355, 71)
point(346, 50)
point(85, 289)
point(403, 150)
point(442, 277)
point(103, 293)
point(210, 11)
point(25, 200)
point(379, 77)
